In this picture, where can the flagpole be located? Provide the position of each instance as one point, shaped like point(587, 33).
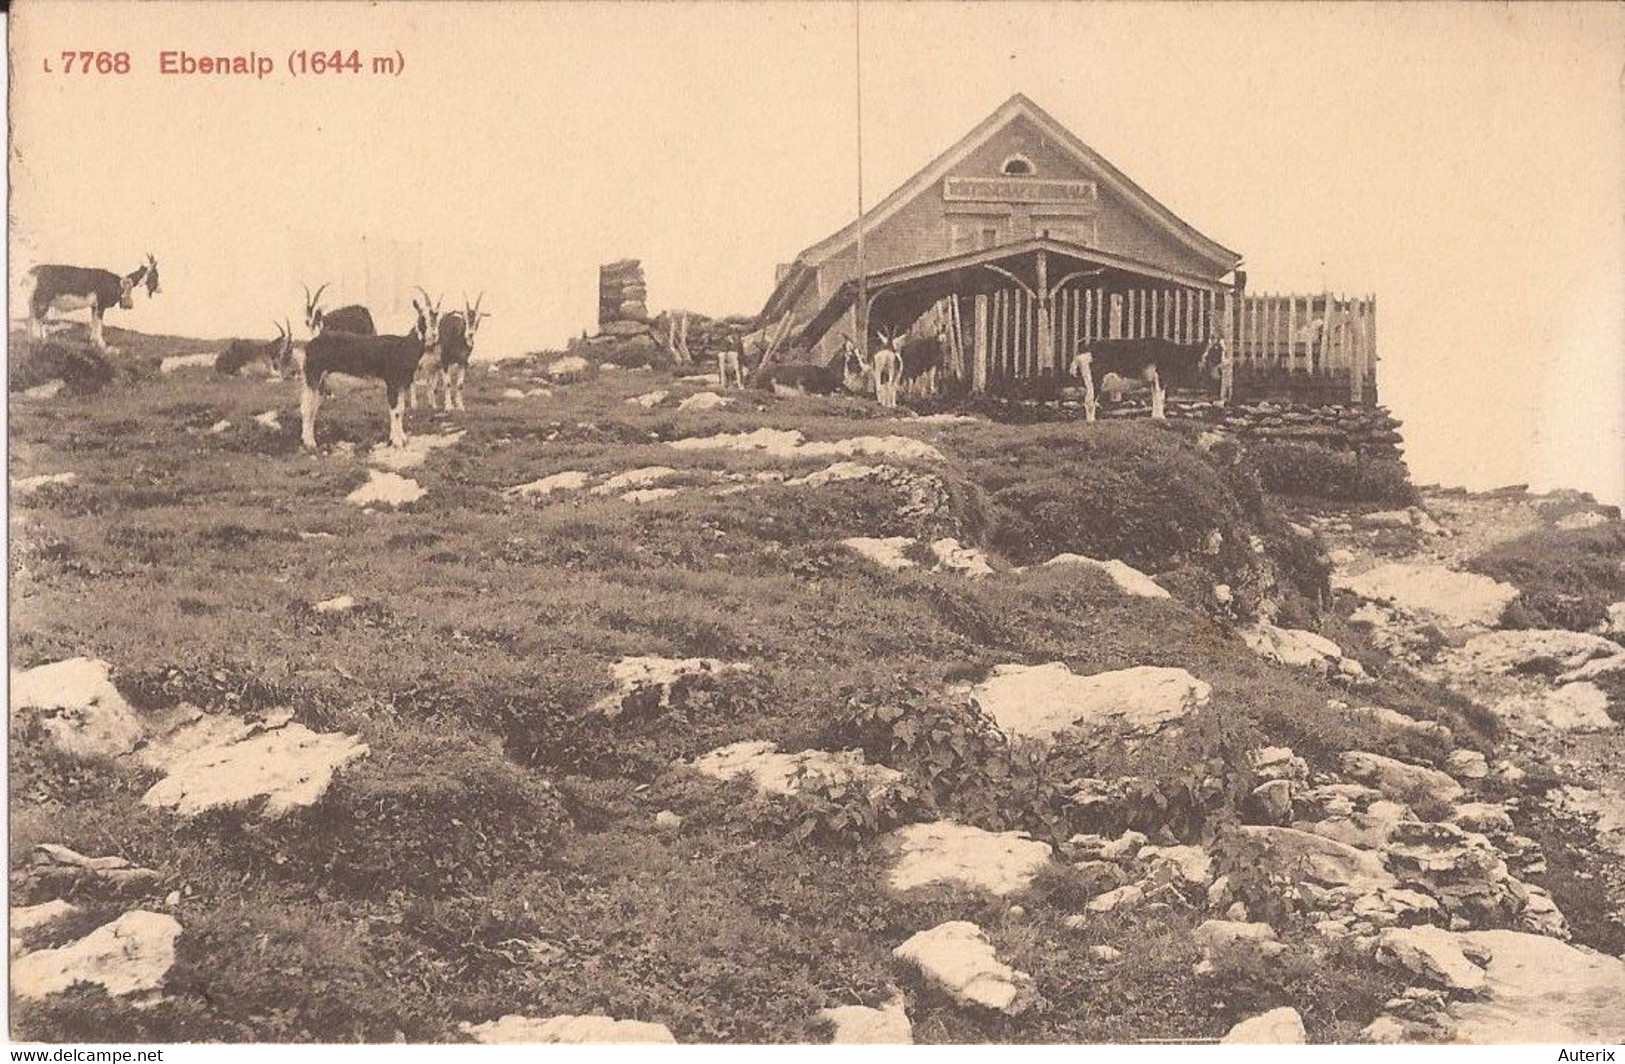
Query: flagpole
point(861, 316)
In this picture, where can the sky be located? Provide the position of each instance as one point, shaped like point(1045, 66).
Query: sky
point(1465, 163)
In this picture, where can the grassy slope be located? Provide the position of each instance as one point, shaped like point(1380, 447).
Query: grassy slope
point(496, 852)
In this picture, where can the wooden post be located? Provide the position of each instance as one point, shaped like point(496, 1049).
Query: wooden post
point(1046, 325)
point(978, 380)
point(1227, 357)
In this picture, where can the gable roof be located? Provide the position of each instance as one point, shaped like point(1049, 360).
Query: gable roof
point(1019, 106)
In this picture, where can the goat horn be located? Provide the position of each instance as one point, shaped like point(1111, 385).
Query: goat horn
point(318, 296)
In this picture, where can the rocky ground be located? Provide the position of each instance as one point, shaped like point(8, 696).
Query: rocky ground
point(622, 709)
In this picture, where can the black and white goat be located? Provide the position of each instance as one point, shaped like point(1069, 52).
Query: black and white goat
point(845, 371)
point(355, 318)
point(448, 372)
point(1114, 366)
point(391, 359)
point(65, 288)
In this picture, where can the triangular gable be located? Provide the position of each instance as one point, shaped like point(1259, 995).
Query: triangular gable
point(1016, 107)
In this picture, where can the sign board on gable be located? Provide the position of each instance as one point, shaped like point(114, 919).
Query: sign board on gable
point(1017, 190)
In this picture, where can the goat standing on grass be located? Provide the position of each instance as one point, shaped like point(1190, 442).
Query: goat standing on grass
point(65, 288)
point(728, 362)
point(457, 332)
point(391, 359)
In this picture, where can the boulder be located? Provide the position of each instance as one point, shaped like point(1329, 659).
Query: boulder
point(1040, 701)
point(642, 495)
point(958, 956)
point(61, 869)
point(386, 489)
point(1434, 954)
point(642, 477)
point(1293, 647)
point(1452, 598)
point(1188, 864)
point(131, 955)
point(704, 401)
point(777, 773)
point(1216, 936)
point(649, 400)
point(289, 768)
point(76, 705)
point(25, 918)
point(1396, 779)
point(1277, 763)
point(569, 367)
point(1277, 1027)
point(1129, 580)
point(947, 852)
point(888, 552)
point(26, 486)
point(1274, 799)
point(858, 1025)
point(1578, 707)
point(1538, 989)
point(416, 451)
point(568, 1030)
point(569, 480)
point(1400, 722)
point(1125, 897)
point(1523, 649)
point(1316, 859)
point(1467, 765)
point(649, 677)
point(968, 560)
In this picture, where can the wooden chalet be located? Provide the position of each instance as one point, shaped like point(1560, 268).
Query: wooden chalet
point(1021, 246)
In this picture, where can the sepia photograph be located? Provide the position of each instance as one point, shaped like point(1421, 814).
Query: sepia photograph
point(803, 523)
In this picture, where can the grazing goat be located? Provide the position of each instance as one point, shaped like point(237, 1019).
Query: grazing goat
point(392, 359)
point(1111, 365)
point(920, 358)
point(448, 372)
point(240, 353)
point(355, 318)
point(65, 288)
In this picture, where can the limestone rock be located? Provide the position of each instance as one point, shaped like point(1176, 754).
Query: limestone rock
point(1579, 707)
point(1188, 864)
point(1523, 648)
point(570, 367)
point(1277, 1027)
point(859, 1025)
point(887, 552)
point(415, 453)
point(1293, 647)
point(1542, 990)
point(1125, 897)
point(967, 560)
point(1400, 722)
point(643, 477)
point(649, 400)
point(1453, 598)
point(386, 489)
point(290, 767)
point(1040, 701)
point(26, 486)
point(337, 604)
point(1277, 763)
point(1467, 765)
point(1129, 580)
point(1434, 954)
point(25, 918)
point(61, 869)
point(131, 955)
point(1316, 858)
point(704, 401)
point(784, 774)
point(958, 955)
point(947, 852)
point(1274, 798)
point(77, 706)
point(652, 677)
point(568, 1030)
point(569, 480)
point(1398, 780)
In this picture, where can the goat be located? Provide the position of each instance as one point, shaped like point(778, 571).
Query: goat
point(1112, 365)
point(728, 360)
point(392, 359)
point(447, 373)
point(887, 366)
point(355, 318)
point(921, 356)
point(65, 288)
point(240, 353)
point(845, 370)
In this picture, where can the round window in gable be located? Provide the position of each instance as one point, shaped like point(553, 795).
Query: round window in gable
point(1018, 166)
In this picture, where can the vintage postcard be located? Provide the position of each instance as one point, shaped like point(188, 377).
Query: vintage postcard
point(860, 523)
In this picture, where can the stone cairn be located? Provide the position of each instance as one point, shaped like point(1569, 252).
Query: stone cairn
point(625, 333)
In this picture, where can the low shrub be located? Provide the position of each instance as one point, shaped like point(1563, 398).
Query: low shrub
point(1568, 577)
point(427, 811)
point(1306, 470)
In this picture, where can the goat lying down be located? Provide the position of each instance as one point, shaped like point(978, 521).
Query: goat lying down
point(391, 359)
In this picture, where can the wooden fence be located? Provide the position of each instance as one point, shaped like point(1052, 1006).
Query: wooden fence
point(1325, 337)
